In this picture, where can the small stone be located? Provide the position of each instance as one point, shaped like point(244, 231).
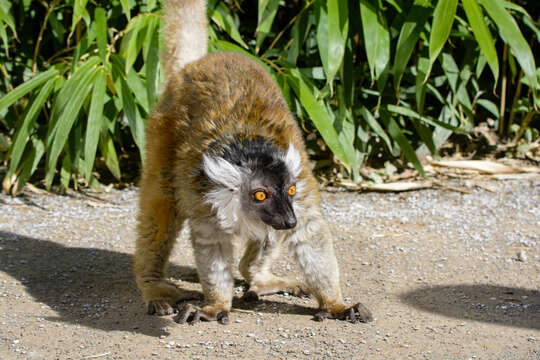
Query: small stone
point(522, 256)
point(307, 352)
point(250, 335)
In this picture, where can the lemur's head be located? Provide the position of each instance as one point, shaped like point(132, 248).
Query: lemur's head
point(254, 180)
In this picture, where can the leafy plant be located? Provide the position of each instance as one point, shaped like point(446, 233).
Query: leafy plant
point(369, 80)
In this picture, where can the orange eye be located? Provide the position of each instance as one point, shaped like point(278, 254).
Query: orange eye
point(260, 195)
point(292, 190)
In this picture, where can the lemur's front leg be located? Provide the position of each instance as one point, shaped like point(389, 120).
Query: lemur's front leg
point(313, 249)
point(213, 254)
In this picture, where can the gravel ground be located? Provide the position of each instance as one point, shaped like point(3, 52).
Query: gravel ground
point(447, 275)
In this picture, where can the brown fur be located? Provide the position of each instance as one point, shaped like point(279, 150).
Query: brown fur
point(218, 96)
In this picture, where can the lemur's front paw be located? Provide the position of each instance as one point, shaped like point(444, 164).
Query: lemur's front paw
point(159, 308)
point(192, 314)
point(355, 313)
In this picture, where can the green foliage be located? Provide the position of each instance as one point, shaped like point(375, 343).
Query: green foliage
point(369, 80)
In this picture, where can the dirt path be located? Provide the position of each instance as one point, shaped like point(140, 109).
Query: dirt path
point(447, 275)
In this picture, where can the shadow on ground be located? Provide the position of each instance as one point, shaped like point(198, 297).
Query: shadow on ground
point(95, 287)
point(500, 305)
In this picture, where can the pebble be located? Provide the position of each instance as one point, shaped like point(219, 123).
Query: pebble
point(522, 256)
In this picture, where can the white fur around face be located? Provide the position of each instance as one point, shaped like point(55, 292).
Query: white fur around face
point(293, 161)
point(226, 198)
point(222, 172)
point(230, 216)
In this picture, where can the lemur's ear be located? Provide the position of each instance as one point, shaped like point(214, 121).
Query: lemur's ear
point(293, 160)
point(222, 172)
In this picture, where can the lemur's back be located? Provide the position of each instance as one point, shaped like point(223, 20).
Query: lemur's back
point(227, 94)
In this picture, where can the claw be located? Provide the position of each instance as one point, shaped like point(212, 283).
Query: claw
point(195, 318)
point(351, 316)
point(223, 317)
point(362, 313)
point(159, 308)
point(184, 312)
point(321, 315)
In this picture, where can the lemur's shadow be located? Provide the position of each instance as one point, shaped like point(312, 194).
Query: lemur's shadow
point(79, 283)
point(509, 306)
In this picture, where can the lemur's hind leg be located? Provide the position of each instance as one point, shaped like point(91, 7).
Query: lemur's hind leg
point(158, 225)
point(255, 266)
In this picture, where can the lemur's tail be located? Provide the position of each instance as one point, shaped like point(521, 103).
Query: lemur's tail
point(186, 35)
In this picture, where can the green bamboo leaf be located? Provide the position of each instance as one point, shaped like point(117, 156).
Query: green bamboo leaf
point(299, 33)
point(412, 114)
point(65, 171)
point(318, 115)
point(126, 8)
point(135, 122)
point(152, 64)
point(21, 137)
point(29, 164)
point(267, 11)
point(65, 122)
point(95, 122)
point(138, 88)
point(101, 35)
point(443, 18)
point(489, 106)
point(344, 124)
point(510, 33)
point(422, 68)
point(106, 145)
point(451, 70)
point(408, 37)
point(7, 18)
point(322, 33)
point(375, 126)
point(482, 35)
point(221, 15)
point(26, 87)
point(397, 135)
point(65, 95)
point(57, 28)
point(426, 135)
point(3, 36)
point(79, 7)
point(338, 31)
point(133, 41)
point(376, 38)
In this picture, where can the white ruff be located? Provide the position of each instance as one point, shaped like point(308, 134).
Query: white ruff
point(293, 160)
point(231, 219)
point(223, 172)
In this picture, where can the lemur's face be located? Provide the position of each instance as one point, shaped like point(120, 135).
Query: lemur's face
point(269, 196)
point(254, 180)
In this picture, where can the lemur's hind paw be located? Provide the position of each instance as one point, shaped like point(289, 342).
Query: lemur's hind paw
point(193, 314)
point(160, 308)
point(353, 314)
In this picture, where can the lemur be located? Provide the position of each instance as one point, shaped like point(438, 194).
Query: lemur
point(224, 152)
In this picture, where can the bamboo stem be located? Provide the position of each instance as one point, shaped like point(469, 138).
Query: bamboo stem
point(40, 36)
point(514, 103)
